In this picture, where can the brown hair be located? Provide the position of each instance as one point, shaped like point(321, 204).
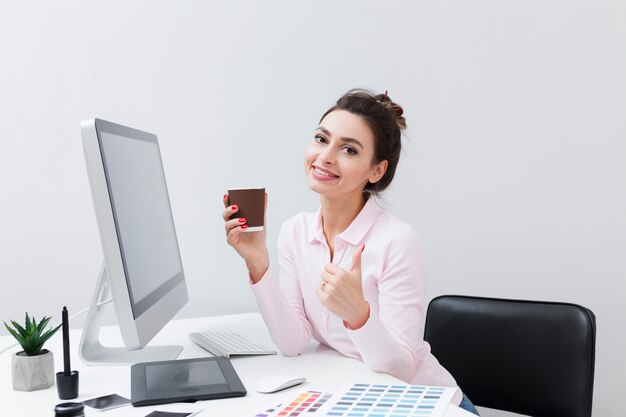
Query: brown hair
point(384, 117)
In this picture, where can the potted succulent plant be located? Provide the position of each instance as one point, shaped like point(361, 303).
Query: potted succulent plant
point(32, 368)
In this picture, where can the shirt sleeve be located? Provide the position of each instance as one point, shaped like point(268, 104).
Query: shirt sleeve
point(391, 341)
point(281, 304)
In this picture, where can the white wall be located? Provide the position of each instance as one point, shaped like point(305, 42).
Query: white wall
point(513, 170)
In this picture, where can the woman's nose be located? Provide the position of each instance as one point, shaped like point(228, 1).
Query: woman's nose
point(327, 156)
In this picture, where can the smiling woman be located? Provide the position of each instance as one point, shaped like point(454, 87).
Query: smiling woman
point(379, 117)
point(337, 164)
point(366, 304)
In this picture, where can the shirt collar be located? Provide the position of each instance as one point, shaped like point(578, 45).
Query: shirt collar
point(355, 233)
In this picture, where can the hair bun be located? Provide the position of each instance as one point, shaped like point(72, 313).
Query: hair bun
point(397, 109)
point(384, 99)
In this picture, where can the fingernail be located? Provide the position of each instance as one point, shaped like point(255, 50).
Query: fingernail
point(225, 195)
point(242, 220)
point(363, 248)
point(245, 226)
point(233, 207)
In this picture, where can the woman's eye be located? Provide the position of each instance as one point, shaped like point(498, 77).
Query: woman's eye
point(320, 139)
point(349, 150)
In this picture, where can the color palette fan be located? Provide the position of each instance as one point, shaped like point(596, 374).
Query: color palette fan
point(307, 402)
point(375, 400)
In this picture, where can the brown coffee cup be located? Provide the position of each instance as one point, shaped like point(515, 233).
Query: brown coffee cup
point(251, 203)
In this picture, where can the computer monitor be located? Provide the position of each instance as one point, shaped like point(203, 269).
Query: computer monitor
point(142, 269)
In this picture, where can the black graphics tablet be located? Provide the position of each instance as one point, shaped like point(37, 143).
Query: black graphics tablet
point(183, 381)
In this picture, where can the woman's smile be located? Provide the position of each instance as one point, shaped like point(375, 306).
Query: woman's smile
point(323, 174)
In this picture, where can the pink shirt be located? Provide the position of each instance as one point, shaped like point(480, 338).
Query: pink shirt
point(393, 278)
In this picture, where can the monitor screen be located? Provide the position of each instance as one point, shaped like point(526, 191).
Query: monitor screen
point(143, 217)
point(142, 269)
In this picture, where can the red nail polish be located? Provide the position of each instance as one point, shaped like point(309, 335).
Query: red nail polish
point(225, 195)
point(233, 207)
point(242, 220)
point(363, 248)
point(245, 226)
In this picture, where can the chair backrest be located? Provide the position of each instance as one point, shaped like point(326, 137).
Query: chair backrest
point(528, 357)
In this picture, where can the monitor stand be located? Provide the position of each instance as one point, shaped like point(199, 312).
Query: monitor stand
point(92, 352)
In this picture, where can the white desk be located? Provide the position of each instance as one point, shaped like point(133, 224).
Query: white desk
point(325, 369)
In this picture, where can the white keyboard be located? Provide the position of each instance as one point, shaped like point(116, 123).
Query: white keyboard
point(227, 344)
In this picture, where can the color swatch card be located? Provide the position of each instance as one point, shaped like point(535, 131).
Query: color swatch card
point(304, 404)
point(374, 400)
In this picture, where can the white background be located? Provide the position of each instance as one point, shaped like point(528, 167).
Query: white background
point(513, 170)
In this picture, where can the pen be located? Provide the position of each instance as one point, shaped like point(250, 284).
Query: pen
point(66, 343)
point(67, 380)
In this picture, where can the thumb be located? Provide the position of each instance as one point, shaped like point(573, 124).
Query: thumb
point(356, 259)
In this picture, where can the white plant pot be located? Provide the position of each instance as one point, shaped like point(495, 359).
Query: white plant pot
point(31, 373)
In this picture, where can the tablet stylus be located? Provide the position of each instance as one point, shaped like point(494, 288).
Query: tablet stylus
point(66, 343)
point(67, 381)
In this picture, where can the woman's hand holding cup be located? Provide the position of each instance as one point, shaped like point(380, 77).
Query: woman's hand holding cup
point(252, 246)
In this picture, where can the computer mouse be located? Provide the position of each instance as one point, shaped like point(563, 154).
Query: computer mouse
point(274, 383)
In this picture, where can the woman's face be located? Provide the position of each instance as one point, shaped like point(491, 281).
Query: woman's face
point(339, 160)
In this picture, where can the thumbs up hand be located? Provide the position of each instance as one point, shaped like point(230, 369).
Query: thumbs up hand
point(342, 292)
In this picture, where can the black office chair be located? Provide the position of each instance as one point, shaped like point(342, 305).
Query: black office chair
point(527, 357)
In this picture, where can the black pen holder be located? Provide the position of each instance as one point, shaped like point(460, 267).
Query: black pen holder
point(67, 385)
